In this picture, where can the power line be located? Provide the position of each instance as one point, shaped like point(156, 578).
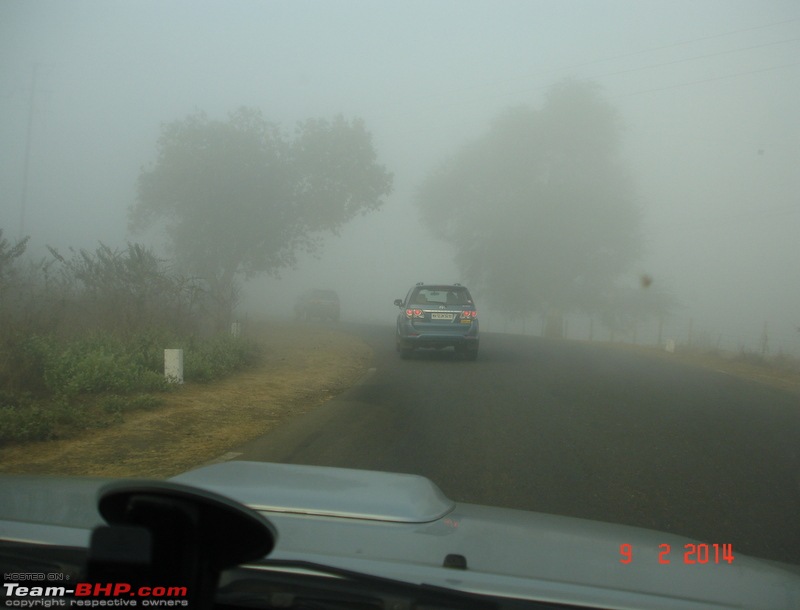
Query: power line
point(710, 79)
point(680, 44)
point(640, 52)
point(696, 57)
point(647, 67)
point(643, 91)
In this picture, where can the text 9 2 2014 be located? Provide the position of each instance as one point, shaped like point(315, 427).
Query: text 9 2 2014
point(691, 554)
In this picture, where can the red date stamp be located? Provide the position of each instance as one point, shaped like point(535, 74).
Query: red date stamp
point(692, 553)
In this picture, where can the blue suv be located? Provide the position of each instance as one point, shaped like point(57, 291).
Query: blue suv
point(437, 316)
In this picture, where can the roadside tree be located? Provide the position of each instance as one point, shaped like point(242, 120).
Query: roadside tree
point(540, 210)
point(241, 198)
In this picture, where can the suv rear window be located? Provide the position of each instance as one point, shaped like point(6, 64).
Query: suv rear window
point(441, 295)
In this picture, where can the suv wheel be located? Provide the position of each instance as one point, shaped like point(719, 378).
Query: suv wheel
point(405, 352)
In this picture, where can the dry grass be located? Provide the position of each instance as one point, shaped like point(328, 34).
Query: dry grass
point(303, 366)
point(781, 372)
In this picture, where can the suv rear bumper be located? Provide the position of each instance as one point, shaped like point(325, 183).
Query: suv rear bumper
point(411, 338)
point(439, 341)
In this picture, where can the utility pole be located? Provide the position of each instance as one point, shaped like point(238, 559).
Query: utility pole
point(26, 168)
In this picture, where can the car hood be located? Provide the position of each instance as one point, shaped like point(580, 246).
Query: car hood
point(403, 527)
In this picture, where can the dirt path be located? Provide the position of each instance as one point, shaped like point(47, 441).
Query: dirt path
point(303, 366)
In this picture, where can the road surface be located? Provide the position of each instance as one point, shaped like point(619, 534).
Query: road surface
point(572, 429)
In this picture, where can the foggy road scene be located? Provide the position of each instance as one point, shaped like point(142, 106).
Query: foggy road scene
point(590, 208)
point(694, 107)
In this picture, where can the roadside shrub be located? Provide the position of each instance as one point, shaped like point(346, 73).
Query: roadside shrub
point(26, 424)
point(218, 357)
point(82, 338)
point(104, 364)
point(148, 349)
point(96, 365)
point(120, 404)
point(24, 418)
point(60, 386)
point(125, 291)
point(21, 365)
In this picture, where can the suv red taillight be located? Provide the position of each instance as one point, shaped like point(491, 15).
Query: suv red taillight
point(414, 313)
point(469, 314)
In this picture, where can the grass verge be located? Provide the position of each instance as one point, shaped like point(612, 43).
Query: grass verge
point(301, 367)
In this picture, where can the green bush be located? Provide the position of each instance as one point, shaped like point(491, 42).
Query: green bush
point(103, 364)
point(95, 365)
point(91, 382)
point(26, 424)
point(82, 338)
point(22, 364)
point(216, 358)
point(29, 419)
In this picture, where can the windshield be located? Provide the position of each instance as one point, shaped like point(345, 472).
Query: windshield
point(543, 254)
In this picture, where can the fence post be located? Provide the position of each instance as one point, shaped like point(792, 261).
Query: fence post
point(173, 365)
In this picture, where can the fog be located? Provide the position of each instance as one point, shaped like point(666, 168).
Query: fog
point(708, 93)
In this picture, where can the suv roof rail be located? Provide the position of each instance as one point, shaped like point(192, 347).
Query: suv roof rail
point(420, 283)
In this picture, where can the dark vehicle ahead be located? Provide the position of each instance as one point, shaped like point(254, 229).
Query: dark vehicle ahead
point(321, 304)
point(438, 316)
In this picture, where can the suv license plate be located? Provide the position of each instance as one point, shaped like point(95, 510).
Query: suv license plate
point(441, 316)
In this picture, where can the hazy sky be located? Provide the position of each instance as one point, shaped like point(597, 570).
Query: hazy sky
point(708, 91)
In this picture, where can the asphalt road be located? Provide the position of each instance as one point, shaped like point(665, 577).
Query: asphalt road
point(573, 429)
